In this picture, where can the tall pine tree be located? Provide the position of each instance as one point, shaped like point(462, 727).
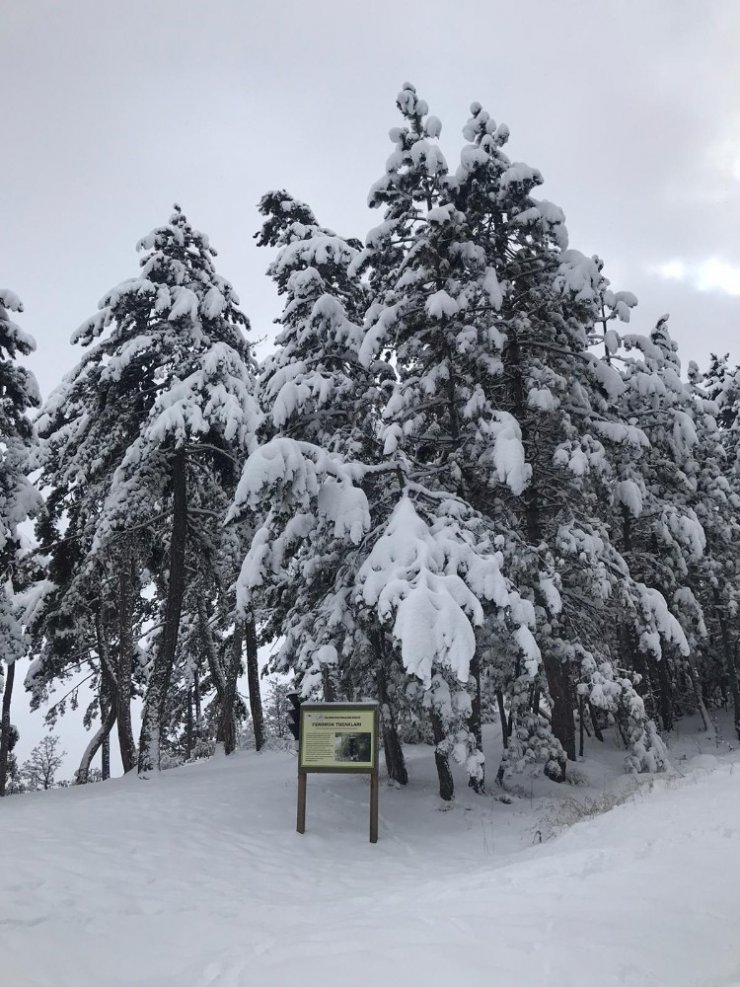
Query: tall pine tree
point(146, 434)
point(18, 499)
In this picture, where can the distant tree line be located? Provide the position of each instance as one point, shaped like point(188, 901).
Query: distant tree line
point(459, 485)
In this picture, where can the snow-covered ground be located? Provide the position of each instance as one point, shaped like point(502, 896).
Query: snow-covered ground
point(198, 879)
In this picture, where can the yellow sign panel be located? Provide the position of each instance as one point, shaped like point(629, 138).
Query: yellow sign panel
point(338, 737)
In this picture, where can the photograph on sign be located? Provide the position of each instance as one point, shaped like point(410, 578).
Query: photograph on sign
point(340, 738)
point(353, 747)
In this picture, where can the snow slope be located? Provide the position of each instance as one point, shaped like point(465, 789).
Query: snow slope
point(198, 879)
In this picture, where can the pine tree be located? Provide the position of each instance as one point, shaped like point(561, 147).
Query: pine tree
point(658, 528)
point(315, 392)
point(562, 397)
point(434, 290)
point(717, 484)
point(152, 423)
point(18, 499)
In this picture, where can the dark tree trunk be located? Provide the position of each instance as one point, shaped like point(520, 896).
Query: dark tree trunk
point(189, 727)
point(729, 660)
point(595, 722)
point(110, 696)
point(5, 727)
point(105, 704)
point(105, 758)
point(698, 697)
point(253, 680)
point(125, 662)
point(395, 762)
point(159, 680)
point(224, 678)
point(505, 724)
point(330, 694)
point(197, 705)
point(227, 725)
point(558, 684)
point(475, 724)
point(108, 714)
point(95, 744)
point(446, 784)
point(665, 694)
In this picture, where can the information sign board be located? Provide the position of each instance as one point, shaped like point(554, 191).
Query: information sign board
point(340, 738)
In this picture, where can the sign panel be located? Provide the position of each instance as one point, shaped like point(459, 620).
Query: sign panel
point(338, 737)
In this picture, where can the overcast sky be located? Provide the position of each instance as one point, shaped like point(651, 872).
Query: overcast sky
point(112, 111)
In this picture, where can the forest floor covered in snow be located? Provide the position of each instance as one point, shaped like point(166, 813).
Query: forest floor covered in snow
point(197, 878)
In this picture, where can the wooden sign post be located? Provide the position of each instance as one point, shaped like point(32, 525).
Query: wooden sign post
point(338, 738)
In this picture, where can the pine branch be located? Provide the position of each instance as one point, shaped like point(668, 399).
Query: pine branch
point(52, 709)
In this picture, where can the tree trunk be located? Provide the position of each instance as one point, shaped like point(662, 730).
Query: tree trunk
point(227, 726)
point(159, 679)
point(475, 724)
point(253, 680)
point(101, 733)
point(125, 662)
point(105, 705)
point(109, 672)
point(197, 705)
point(665, 694)
point(729, 660)
point(224, 681)
point(595, 722)
point(698, 697)
point(558, 684)
point(330, 695)
point(105, 758)
point(5, 727)
point(395, 762)
point(446, 784)
point(505, 725)
point(189, 727)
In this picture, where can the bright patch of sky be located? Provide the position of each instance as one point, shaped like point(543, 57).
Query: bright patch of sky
point(726, 156)
point(712, 274)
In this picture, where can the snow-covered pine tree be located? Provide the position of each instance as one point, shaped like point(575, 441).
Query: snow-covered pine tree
point(721, 384)
point(90, 610)
point(375, 560)
point(433, 290)
point(315, 391)
point(312, 386)
point(677, 503)
point(494, 431)
point(312, 381)
point(716, 574)
point(309, 387)
point(541, 312)
point(654, 519)
point(18, 499)
point(167, 391)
